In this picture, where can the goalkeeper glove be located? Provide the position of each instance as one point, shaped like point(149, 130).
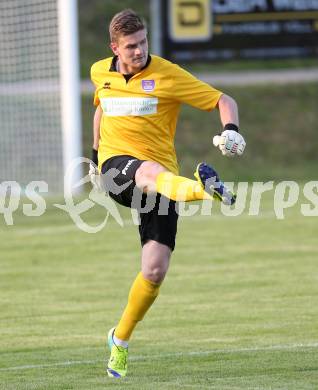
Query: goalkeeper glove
point(230, 141)
point(93, 173)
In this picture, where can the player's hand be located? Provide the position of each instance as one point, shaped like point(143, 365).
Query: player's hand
point(230, 142)
point(95, 177)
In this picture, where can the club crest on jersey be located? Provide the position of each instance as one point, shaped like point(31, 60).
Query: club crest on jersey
point(148, 85)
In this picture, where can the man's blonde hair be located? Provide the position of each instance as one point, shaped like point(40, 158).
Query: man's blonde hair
point(125, 22)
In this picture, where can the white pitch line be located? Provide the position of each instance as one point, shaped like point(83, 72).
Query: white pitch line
point(166, 355)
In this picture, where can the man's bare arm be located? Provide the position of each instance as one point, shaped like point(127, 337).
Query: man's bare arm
point(96, 126)
point(228, 110)
point(93, 167)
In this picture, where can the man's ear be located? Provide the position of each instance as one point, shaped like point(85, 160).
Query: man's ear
point(114, 48)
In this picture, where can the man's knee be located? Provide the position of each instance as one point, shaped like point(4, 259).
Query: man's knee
point(155, 274)
point(155, 261)
point(146, 175)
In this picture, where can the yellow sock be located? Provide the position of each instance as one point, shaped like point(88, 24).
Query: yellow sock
point(180, 188)
point(142, 294)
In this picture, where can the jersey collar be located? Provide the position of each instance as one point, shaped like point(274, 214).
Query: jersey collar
point(114, 61)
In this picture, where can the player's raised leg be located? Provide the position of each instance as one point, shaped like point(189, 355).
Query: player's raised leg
point(153, 177)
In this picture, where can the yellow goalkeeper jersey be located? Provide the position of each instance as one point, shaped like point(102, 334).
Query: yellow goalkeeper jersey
point(140, 115)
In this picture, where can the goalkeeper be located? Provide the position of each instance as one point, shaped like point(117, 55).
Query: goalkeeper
point(138, 97)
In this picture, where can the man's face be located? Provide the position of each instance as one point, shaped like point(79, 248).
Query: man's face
point(132, 51)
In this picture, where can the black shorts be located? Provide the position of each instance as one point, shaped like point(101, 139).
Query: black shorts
point(158, 215)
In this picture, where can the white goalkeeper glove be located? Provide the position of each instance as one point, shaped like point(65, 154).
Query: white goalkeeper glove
point(95, 177)
point(93, 173)
point(230, 142)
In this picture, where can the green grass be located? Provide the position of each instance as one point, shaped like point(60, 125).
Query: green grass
point(238, 309)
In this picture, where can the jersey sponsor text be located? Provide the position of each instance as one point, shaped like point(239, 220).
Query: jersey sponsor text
point(129, 106)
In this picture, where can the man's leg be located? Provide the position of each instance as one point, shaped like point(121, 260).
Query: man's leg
point(154, 265)
point(152, 177)
point(157, 234)
point(145, 289)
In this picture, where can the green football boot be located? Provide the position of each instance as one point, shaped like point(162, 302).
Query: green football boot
point(117, 363)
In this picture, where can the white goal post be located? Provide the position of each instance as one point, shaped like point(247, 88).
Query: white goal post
point(40, 114)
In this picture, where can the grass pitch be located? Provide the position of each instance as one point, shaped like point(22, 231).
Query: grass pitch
point(238, 309)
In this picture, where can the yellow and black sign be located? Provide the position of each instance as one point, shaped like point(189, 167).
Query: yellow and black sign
point(190, 20)
point(208, 30)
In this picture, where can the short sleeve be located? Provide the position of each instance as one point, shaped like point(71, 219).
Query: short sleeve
point(190, 90)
